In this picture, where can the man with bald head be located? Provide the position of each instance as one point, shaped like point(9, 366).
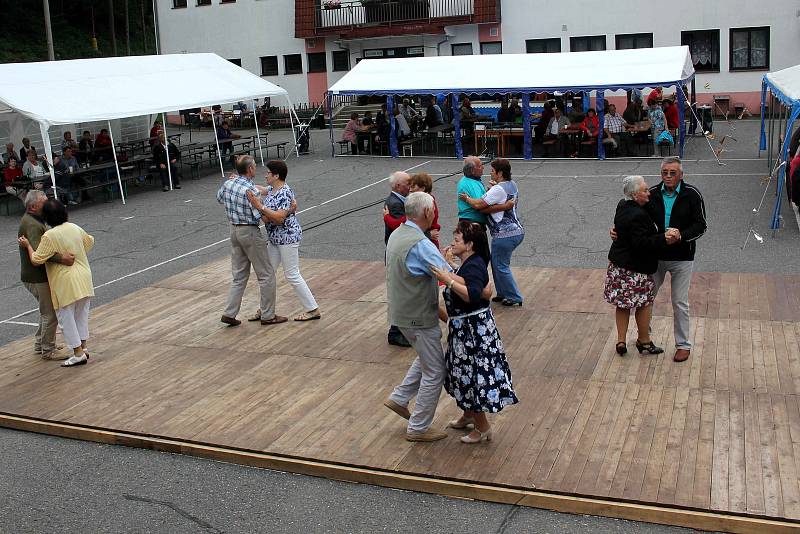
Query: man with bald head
point(394, 214)
point(471, 184)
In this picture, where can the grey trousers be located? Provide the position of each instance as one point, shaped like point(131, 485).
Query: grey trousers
point(680, 279)
point(249, 247)
point(45, 340)
point(424, 378)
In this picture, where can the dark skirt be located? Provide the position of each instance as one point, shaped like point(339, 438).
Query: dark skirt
point(628, 289)
point(478, 377)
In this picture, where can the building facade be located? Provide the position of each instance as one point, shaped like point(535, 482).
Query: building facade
point(307, 45)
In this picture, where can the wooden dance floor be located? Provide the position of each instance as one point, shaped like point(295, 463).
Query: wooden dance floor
point(718, 434)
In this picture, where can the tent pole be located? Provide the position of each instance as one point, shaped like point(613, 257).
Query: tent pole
point(771, 129)
point(681, 119)
point(329, 99)
point(601, 122)
point(392, 126)
point(48, 151)
point(527, 150)
point(116, 163)
point(216, 138)
point(454, 104)
point(166, 140)
point(791, 115)
point(258, 134)
point(762, 138)
point(291, 124)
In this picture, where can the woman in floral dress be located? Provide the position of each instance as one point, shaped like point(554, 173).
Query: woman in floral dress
point(478, 377)
point(632, 260)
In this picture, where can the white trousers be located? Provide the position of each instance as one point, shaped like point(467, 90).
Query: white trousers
point(74, 321)
point(289, 256)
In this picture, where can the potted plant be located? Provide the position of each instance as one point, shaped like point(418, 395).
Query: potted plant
point(331, 4)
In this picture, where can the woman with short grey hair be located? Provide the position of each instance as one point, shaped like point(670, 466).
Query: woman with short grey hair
point(632, 260)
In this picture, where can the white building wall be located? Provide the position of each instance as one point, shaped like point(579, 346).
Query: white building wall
point(249, 29)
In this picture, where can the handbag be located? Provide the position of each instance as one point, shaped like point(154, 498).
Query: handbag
point(665, 138)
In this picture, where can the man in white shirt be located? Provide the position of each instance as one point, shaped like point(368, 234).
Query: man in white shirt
point(555, 130)
point(403, 130)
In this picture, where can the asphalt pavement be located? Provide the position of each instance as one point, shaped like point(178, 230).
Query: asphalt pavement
point(567, 207)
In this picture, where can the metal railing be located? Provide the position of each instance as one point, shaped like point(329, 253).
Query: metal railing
point(333, 14)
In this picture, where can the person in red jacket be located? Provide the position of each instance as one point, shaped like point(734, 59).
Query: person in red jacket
point(419, 182)
point(590, 125)
point(13, 172)
point(671, 113)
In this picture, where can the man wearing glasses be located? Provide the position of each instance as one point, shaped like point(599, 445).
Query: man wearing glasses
point(678, 205)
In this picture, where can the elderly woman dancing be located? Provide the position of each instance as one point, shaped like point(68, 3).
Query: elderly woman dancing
point(71, 287)
point(478, 377)
point(633, 258)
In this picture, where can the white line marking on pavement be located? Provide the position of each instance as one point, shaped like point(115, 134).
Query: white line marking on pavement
point(22, 323)
point(127, 218)
point(216, 243)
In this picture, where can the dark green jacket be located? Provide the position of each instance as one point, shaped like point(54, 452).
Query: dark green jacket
point(32, 227)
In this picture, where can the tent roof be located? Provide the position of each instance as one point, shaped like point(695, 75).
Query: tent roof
point(786, 82)
point(613, 69)
point(83, 90)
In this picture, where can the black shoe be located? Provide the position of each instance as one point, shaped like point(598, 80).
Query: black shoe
point(165, 189)
point(230, 321)
point(509, 302)
point(399, 340)
point(498, 299)
point(622, 348)
point(177, 186)
point(649, 348)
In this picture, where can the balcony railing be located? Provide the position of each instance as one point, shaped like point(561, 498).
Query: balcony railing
point(333, 14)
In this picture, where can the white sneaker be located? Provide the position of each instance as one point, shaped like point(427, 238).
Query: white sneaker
point(75, 360)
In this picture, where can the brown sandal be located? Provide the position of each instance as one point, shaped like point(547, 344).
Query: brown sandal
point(309, 316)
point(276, 319)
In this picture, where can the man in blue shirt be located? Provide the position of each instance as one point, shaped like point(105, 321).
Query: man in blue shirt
point(471, 184)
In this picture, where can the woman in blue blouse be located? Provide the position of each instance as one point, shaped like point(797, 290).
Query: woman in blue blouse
point(478, 377)
point(285, 234)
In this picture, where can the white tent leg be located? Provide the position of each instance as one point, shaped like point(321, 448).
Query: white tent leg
point(116, 163)
point(166, 140)
point(294, 136)
point(48, 152)
point(258, 134)
point(216, 138)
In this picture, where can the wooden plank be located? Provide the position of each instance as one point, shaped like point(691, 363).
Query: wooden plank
point(737, 463)
point(686, 471)
point(644, 446)
point(790, 492)
point(773, 497)
point(720, 458)
point(701, 493)
point(658, 450)
point(672, 454)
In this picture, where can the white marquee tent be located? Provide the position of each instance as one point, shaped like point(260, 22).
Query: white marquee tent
point(82, 90)
point(521, 73)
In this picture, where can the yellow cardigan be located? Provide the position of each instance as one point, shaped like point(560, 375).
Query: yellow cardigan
point(67, 284)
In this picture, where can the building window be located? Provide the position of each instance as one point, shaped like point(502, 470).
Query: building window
point(203, 2)
point(587, 43)
point(340, 60)
point(227, 1)
point(176, 4)
point(543, 46)
point(491, 48)
point(462, 49)
point(634, 40)
point(237, 61)
point(293, 64)
point(269, 66)
point(704, 47)
point(749, 48)
point(316, 62)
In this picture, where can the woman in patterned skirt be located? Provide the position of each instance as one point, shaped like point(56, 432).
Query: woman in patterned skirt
point(478, 377)
point(633, 259)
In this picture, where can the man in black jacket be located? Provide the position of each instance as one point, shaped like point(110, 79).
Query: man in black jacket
point(161, 161)
point(394, 214)
point(676, 204)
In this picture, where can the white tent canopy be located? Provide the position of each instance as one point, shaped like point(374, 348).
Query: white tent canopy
point(786, 81)
point(84, 90)
point(504, 73)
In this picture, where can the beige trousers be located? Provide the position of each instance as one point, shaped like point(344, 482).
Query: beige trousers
point(45, 340)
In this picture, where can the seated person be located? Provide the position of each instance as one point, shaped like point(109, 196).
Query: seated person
point(226, 136)
point(26, 146)
point(103, 150)
point(350, 133)
point(616, 131)
point(9, 155)
point(13, 173)
point(157, 127)
point(556, 130)
point(505, 115)
point(633, 112)
point(167, 154)
point(433, 115)
point(363, 135)
point(516, 109)
point(35, 170)
point(402, 129)
point(590, 126)
point(65, 166)
point(410, 114)
point(68, 142)
point(382, 125)
point(468, 117)
point(85, 148)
